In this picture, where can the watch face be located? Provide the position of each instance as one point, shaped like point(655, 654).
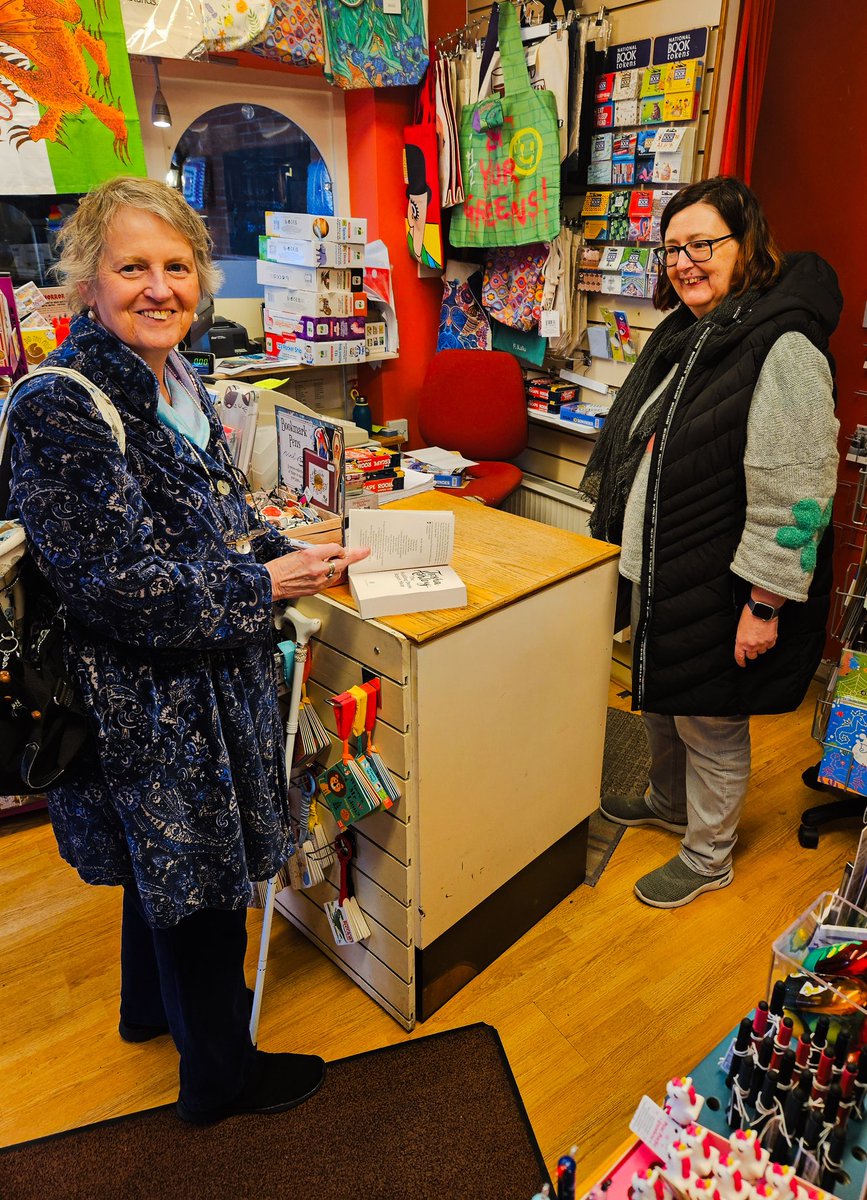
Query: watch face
point(765, 612)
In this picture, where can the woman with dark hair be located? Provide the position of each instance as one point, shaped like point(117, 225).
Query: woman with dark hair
point(716, 473)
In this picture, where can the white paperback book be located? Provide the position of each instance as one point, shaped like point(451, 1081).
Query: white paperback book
point(407, 570)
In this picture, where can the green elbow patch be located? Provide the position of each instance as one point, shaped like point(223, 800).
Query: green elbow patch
point(810, 520)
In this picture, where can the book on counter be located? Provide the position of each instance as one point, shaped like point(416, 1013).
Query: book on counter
point(447, 468)
point(408, 568)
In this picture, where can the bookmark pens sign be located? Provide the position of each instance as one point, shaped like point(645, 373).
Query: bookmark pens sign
point(310, 459)
point(510, 157)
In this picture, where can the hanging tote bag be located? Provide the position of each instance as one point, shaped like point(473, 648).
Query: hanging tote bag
point(464, 324)
point(510, 158)
point(513, 285)
point(293, 35)
point(367, 47)
point(424, 237)
point(234, 24)
point(163, 28)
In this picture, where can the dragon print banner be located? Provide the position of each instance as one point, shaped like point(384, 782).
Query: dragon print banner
point(68, 117)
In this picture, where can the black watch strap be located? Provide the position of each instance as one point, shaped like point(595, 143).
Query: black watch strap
point(762, 610)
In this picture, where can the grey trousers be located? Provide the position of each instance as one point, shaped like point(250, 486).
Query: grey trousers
point(699, 771)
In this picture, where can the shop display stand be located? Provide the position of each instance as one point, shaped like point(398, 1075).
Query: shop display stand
point(849, 626)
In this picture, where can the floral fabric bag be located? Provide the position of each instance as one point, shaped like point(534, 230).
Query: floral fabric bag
point(234, 24)
point(367, 47)
point(513, 285)
point(464, 324)
point(293, 35)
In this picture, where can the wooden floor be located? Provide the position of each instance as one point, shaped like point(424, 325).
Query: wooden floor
point(601, 1002)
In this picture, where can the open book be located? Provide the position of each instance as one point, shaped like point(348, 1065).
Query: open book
point(407, 570)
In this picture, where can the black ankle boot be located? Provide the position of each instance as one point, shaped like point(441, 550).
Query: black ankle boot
point(277, 1082)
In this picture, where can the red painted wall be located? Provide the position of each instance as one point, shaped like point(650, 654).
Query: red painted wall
point(810, 172)
point(374, 135)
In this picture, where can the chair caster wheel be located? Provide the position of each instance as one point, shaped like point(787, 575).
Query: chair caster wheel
point(808, 837)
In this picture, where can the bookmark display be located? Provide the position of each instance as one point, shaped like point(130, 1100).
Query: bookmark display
point(316, 852)
point(359, 726)
point(345, 788)
point(313, 739)
point(347, 921)
point(374, 703)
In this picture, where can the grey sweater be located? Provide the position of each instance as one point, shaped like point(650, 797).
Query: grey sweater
point(791, 460)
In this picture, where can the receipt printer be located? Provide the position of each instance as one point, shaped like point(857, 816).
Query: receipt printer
point(226, 338)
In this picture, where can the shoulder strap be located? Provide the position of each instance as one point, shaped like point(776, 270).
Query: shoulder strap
point(104, 407)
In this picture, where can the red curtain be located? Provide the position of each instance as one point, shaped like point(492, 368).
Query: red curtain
point(755, 25)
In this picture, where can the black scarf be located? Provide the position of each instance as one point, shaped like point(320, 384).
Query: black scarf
point(609, 474)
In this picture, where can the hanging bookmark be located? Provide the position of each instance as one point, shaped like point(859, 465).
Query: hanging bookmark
point(374, 702)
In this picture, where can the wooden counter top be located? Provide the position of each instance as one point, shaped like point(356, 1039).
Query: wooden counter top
point(500, 558)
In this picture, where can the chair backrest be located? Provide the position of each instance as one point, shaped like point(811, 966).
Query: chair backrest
point(473, 401)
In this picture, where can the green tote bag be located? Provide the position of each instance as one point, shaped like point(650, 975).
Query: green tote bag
point(510, 157)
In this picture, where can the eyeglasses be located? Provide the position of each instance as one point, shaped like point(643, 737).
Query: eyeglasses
point(696, 252)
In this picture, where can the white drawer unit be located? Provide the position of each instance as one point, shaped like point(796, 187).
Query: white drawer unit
point(493, 719)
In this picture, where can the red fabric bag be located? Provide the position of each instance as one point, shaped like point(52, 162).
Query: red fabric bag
point(424, 236)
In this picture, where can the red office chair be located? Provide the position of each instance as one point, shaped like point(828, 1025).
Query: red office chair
point(473, 401)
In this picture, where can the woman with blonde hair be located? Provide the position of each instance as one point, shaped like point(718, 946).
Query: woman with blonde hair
point(167, 578)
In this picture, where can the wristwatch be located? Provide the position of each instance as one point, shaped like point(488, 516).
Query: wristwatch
point(765, 612)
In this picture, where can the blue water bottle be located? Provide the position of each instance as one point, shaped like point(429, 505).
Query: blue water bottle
point(361, 410)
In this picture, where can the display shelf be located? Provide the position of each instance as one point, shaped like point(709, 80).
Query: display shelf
point(276, 368)
point(572, 427)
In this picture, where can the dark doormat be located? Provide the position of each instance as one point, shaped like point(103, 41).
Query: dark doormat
point(438, 1117)
point(625, 763)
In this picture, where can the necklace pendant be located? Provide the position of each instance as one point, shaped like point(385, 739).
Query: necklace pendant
point(242, 545)
point(223, 487)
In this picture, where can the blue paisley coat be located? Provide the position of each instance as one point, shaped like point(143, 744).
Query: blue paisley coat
point(169, 638)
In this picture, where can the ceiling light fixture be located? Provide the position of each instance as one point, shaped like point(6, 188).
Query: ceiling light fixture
point(160, 115)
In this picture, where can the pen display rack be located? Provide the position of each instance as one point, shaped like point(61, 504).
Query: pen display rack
point(828, 921)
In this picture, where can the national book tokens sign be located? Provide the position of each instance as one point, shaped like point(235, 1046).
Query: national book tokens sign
point(68, 117)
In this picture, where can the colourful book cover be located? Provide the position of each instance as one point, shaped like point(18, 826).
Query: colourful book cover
point(600, 173)
point(652, 81)
point(641, 203)
point(623, 173)
point(841, 769)
point(644, 169)
point(682, 106)
point(618, 229)
point(596, 204)
point(847, 728)
point(639, 229)
point(627, 85)
point(651, 111)
point(596, 229)
point(852, 677)
point(623, 146)
point(625, 112)
point(633, 287)
point(604, 87)
point(604, 116)
point(619, 204)
point(612, 257)
point(682, 76)
point(601, 146)
point(612, 285)
point(644, 140)
point(635, 262)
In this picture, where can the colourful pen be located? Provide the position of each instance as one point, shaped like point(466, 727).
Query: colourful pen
point(760, 1022)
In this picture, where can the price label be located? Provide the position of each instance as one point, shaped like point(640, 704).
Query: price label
point(549, 323)
point(391, 7)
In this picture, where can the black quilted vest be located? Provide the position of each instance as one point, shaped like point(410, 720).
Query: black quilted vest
point(683, 648)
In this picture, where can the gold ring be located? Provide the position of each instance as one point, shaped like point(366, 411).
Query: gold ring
point(332, 570)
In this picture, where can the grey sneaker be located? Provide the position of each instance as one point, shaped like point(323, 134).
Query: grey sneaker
point(634, 810)
point(675, 884)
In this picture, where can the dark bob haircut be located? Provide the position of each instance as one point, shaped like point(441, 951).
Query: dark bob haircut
point(759, 260)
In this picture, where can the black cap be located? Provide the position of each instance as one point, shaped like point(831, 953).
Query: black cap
point(766, 1050)
point(841, 1049)
point(769, 1089)
point(793, 1110)
point(779, 991)
point(787, 1066)
point(832, 1104)
point(820, 1033)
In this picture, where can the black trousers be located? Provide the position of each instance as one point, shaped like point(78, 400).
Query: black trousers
point(191, 977)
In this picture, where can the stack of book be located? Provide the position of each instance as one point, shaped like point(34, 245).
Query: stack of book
point(312, 268)
point(447, 468)
point(369, 472)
